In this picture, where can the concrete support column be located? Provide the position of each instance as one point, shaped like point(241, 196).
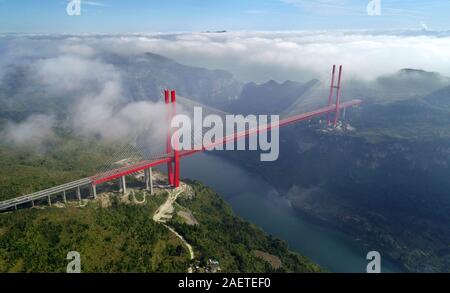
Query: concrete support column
point(150, 175)
point(124, 184)
point(94, 191)
point(148, 180)
point(32, 203)
point(49, 201)
point(79, 194)
point(64, 197)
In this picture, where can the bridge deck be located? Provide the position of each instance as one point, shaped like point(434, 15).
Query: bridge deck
point(44, 193)
point(135, 168)
point(128, 170)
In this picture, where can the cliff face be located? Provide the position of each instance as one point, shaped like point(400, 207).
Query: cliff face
point(392, 194)
point(382, 178)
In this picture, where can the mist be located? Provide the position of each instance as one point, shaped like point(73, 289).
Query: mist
point(262, 56)
point(73, 68)
point(33, 131)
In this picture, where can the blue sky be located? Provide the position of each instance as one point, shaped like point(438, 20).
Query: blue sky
point(122, 16)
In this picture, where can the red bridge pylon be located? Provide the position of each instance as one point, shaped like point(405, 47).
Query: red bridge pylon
point(173, 166)
point(338, 95)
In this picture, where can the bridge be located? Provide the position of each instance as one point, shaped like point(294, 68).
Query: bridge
point(172, 157)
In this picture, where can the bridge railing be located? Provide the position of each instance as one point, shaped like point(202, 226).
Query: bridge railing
point(43, 193)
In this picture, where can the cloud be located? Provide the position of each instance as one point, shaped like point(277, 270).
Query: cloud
point(68, 73)
point(77, 49)
point(252, 56)
point(32, 132)
point(77, 67)
point(100, 107)
point(109, 115)
point(90, 88)
point(297, 55)
point(68, 62)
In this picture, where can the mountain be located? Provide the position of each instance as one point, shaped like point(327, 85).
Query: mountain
point(409, 80)
point(21, 97)
point(439, 98)
point(270, 97)
point(382, 176)
point(406, 84)
point(146, 76)
point(116, 234)
point(140, 77)
point(121, 236)
point(402, 85)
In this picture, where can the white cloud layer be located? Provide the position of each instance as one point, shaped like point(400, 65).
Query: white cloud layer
point(31, 132)
point(68, 73)
point(73, 64)
point(259, 56)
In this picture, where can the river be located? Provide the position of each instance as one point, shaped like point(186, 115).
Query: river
point(253, 199)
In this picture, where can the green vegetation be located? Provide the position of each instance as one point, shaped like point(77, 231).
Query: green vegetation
point(61, 159)
point(122, 238)
point(385, 183)
point(410, 121)
point(224, 237)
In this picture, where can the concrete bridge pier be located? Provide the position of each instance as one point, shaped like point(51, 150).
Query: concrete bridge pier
point(64, 197)
point(79, 194)
point(123, 184)
point(94, 190)
point(150, 176)
point(49, 201)
point(149, 180)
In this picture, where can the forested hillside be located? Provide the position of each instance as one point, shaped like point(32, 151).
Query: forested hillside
point(124, 238)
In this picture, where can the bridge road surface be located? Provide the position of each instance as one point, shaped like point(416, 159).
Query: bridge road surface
point(163, 159)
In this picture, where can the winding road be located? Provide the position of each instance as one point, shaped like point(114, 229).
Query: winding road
point(165, 212)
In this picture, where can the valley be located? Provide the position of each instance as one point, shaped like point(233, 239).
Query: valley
point(118, 233)
point(379, 179)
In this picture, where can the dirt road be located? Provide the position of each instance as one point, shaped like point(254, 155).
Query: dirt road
point(165, 212)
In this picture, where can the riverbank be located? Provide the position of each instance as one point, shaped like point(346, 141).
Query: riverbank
point(253, 199)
